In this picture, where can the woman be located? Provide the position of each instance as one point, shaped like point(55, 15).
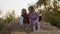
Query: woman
point(34, 18)
point(24, 20)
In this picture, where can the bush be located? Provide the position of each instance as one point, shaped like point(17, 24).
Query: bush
point(58, 21)
point(1, 24)
point(5, 22)
point(53, 18)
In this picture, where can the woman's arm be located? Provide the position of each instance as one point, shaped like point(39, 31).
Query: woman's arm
point(21, 20)
point(37, 17)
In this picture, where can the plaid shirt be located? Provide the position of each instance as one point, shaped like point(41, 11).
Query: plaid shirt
point(33, 18)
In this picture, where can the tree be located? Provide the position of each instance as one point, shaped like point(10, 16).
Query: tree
point(10, 17)
point(51, 13)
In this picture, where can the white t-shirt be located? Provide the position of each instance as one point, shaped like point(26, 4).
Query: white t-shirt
point(21, 20)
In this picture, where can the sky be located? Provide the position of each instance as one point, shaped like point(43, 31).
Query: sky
point(17, 5)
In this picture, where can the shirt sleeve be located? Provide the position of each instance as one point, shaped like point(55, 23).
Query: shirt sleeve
point(21, 20)
point(37, 15)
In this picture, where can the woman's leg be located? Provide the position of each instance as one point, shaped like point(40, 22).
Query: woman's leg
point(38, 26)
point(34, 28)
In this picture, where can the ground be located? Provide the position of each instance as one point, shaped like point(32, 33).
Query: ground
point(14, 28)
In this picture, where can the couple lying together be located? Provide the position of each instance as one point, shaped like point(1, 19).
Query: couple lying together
point(31, 18)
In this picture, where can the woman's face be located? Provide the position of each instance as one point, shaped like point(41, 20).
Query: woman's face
point(31, 10)
point(24, 12)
